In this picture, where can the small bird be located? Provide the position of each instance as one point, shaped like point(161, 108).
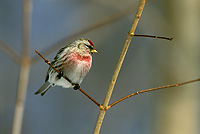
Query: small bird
point(73, 61)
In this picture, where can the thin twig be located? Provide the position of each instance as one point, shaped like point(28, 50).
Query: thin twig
point(89, 97)
point(47, 61)
point(152, 89)
point(153, 36)
point(118, 67)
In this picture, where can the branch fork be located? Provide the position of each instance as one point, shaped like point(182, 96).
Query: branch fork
point(103, 108)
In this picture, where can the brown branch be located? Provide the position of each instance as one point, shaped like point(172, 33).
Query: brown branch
point(151, 89)
point(152, 36)
point(47, 61)
point(103, 110)
point(89, 97)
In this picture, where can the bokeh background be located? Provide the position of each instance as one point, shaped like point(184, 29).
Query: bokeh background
point(149, 63)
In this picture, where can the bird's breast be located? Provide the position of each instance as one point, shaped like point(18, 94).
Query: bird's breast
point(76, 60)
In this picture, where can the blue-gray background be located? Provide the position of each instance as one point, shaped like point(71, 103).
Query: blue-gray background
point(148, 63)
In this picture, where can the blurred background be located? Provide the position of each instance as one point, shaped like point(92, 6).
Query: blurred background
point(149, 63)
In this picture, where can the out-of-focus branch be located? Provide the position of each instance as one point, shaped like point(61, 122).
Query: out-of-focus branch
point(24, 68)
point(118, 67)
point(97, 24)
point(10, 52)
point(21, 96)
point(152, 89)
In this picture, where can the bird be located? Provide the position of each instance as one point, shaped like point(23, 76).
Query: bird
point(73, 61)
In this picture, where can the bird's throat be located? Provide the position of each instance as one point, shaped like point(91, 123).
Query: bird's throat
point(84, 58)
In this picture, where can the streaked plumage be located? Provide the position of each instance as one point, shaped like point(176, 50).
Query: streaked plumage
point(74, 61)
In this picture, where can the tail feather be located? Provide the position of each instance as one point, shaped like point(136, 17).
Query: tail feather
point(44, 88)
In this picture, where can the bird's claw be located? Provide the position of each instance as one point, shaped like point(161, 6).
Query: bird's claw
point(60, 75)
point(76, 86)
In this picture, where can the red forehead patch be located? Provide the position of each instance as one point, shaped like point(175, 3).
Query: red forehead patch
point(91, 43)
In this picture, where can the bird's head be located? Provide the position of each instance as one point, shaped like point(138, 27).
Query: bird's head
point(85, 45)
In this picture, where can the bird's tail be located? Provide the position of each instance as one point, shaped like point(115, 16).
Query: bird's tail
point(44, 88)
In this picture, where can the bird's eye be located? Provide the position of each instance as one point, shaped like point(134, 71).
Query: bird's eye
point(90, 47)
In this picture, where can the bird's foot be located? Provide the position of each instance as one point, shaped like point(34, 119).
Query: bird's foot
point(60, 75)
point(76, 86)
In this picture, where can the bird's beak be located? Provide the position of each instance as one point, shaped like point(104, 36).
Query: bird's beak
point(94, 51)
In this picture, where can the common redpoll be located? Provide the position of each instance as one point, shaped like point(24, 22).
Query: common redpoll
point(73, 61)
